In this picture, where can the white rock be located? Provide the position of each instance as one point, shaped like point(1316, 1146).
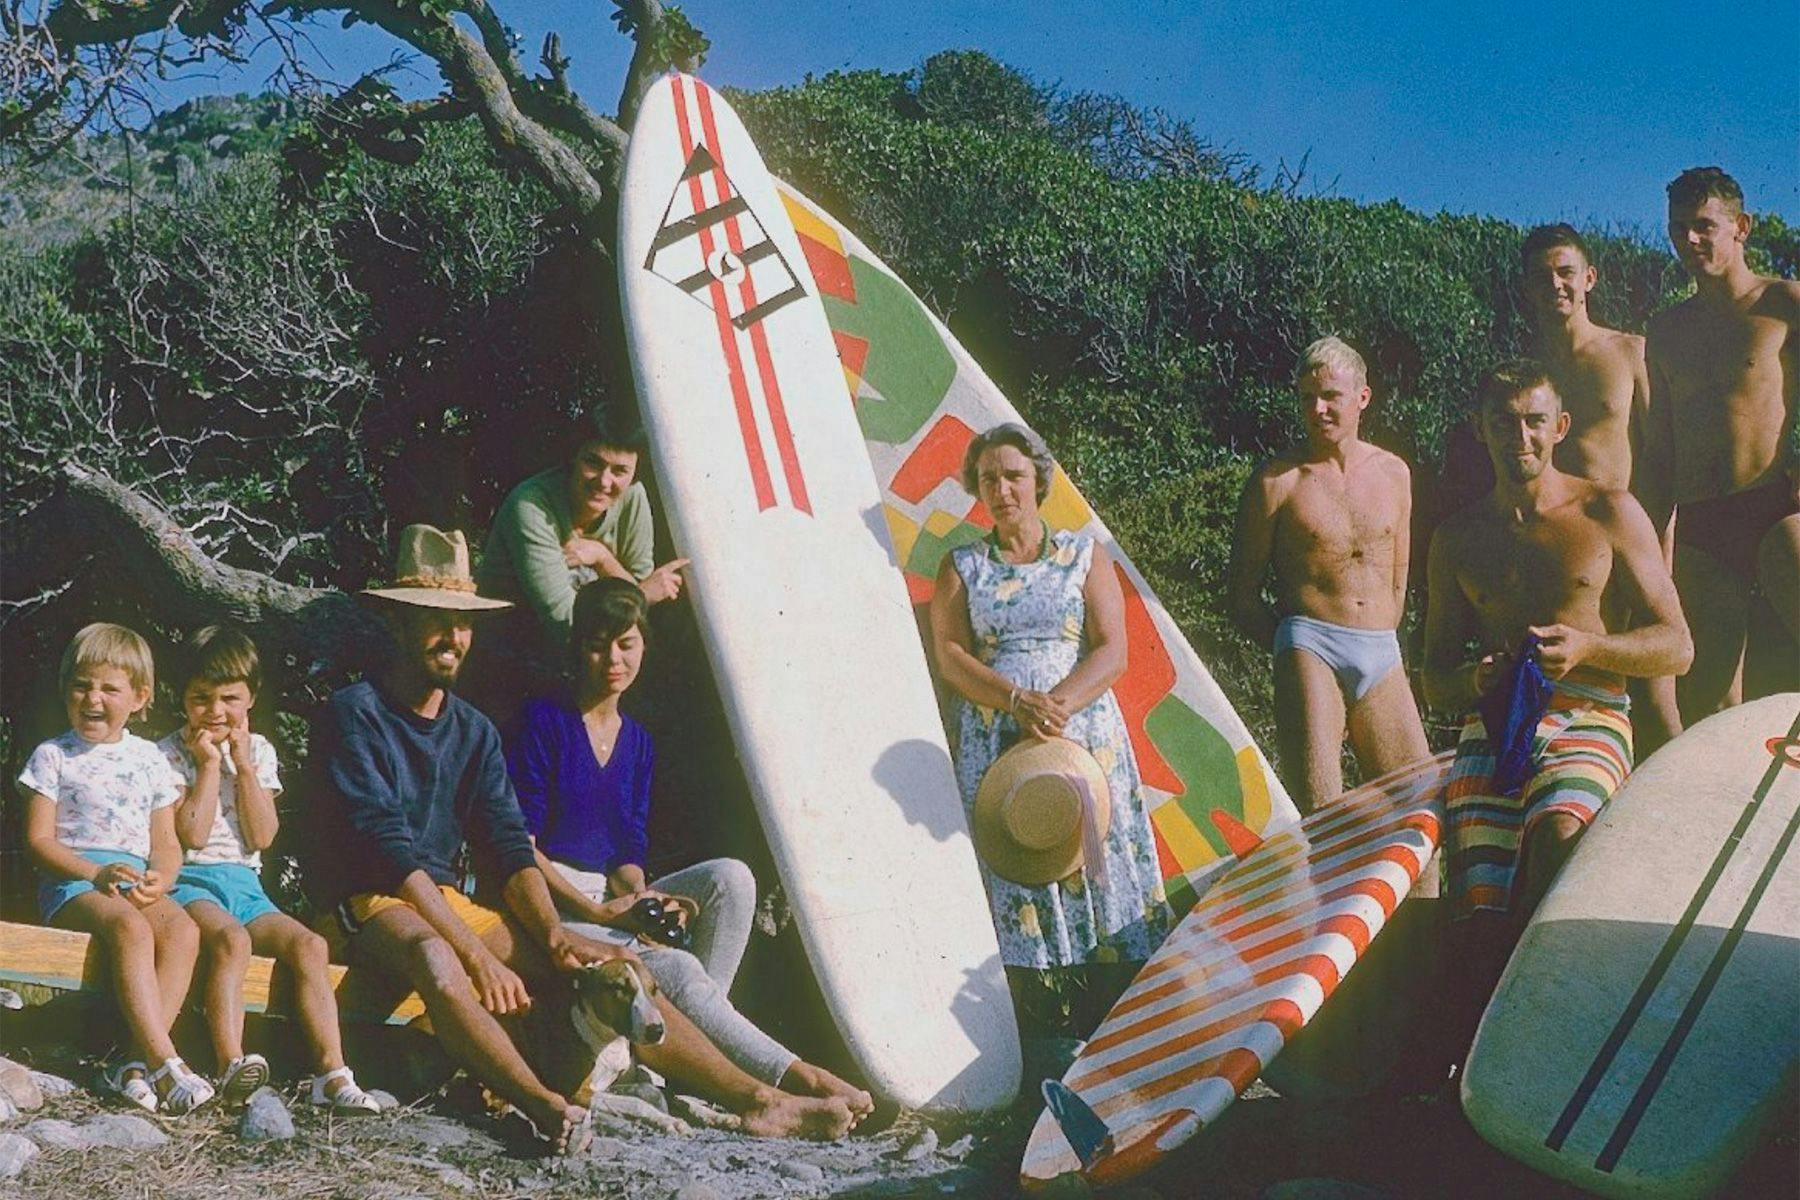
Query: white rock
point(803, 1172)
point(52, 1085)
point(387, 1100)
point(921, 1147)
point(19, 1087)
point(694, 1189)
point(53, 1134)
point(15, 1152)
point(266, 1118)
point(122, 1130)
point(8, 1110)
point(959, 1149)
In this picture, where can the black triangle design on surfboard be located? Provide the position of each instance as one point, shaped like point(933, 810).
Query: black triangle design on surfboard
point(682, 251)
point(699, 163)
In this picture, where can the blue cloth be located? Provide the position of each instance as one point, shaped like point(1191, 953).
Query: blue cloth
point(396, 793)
point(1510, 713)
point(54, 892)
point(593, 817)
point(232, 886)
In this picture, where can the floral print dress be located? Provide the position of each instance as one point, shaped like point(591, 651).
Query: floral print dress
point(1028, 621)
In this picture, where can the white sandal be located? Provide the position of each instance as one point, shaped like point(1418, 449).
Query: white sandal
point(186, 1091)
point(241, 1079)
point(135, 1090)
point(347, 1099)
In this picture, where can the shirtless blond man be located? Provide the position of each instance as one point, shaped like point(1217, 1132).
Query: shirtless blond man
point(1333, 517)
point(1604, 382)
point(1724, 371)
point(1575, 565)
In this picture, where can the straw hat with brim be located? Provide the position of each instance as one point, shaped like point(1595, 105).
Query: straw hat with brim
point(431, 570)
point(1039, 808)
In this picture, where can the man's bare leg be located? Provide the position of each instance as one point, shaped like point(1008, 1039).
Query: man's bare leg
point(1385, 729)
point(227, 948)
point(1772, 645)
point(1655, 714)
point(686, 1056)
point(1717, 608)
point(1547, 846)
point(1309, 729)
point(397, 940)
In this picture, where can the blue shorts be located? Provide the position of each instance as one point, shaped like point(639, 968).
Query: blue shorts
point(54, 893)
point(232, 886)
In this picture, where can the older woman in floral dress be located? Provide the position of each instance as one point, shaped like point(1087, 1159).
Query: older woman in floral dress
point(1029, 629)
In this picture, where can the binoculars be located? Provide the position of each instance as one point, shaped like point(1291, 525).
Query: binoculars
point(651, 918)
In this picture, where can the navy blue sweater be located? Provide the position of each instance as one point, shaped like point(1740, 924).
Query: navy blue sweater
point(397, 793)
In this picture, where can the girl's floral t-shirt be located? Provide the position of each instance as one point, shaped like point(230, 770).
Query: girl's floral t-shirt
point(104, 791)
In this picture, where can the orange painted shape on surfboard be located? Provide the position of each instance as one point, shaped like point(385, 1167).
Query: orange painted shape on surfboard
point(853, 352)
point(1240, 837)
point(1147, 679)
point(937, 457)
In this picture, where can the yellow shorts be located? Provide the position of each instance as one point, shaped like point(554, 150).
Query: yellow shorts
point(345, 921)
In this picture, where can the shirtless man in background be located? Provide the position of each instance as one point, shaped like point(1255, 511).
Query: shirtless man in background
point(1576, 566)
point(1603, 381)
point(1725, 371)
point(1334, 519)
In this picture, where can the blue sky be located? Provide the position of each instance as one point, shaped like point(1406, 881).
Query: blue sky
point(1531, 110)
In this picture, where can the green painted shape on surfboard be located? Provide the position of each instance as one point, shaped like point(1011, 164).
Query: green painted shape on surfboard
point(1203, 758)
point(929, 549)
point(909, 365)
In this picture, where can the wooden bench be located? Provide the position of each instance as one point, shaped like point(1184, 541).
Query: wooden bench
point(41, 963)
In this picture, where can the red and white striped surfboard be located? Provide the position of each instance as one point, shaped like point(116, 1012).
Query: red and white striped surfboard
point(1243, 972)
point(767, 487)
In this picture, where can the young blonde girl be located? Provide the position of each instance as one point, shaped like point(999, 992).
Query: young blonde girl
point(100, 826)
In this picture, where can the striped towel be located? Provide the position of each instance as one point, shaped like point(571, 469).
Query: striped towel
point(1581, 752)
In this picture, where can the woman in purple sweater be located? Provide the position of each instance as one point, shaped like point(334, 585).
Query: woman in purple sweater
point(582, 770)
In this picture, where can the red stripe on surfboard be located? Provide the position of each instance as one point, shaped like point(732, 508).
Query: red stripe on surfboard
point(1348, 926)
point(759, 338)
point(734, 363)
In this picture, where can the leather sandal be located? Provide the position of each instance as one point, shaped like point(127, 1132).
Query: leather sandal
point(348, 1098)
point(185, 1092)
point(130, 1082)
point(246, 1073)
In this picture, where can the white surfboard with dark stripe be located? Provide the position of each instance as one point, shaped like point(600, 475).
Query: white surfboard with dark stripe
point(807, 623)
point(1648, 1025)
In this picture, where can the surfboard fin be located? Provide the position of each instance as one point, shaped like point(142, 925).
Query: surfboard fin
point(1087, 1133)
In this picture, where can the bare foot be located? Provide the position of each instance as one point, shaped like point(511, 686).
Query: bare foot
point(805, 1079)
point(778, 1114)
point(567, 1127)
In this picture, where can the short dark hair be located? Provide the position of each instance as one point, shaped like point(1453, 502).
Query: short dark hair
point(1550, 237)
point(221, 654)
point(607, 608)
point(617, 428)
point(1512, 378)
point(1696, 185)
point(1019, 438)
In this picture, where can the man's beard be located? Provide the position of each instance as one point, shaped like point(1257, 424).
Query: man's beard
point(440, 676)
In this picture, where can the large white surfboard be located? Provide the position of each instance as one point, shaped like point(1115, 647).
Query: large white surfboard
point(1648, 1026)
point(806, 620)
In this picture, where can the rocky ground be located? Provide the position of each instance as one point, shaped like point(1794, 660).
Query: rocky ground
point(61, 1139)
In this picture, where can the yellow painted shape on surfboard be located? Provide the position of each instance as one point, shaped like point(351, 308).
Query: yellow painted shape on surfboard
point(902, 529)
point(1255, 785)
point(1182, 836)
point(941, 522)
point(1063, 507)
point(809, 226)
